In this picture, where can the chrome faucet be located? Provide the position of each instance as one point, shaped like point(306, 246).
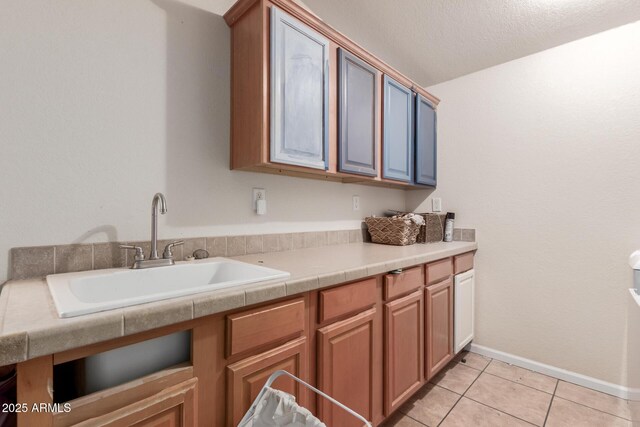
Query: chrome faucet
point(159, 197)
point(167, 255)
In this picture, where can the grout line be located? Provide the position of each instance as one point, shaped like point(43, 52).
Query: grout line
point(553, 396)
point(502, 412)
point(551, 403)
point(451, 409)
point(409, 416)
point(595, 409)
point(595, 384)
point(465, 392)
point(474, 381)
point(424, 386)
point(524, 385)
point(564, 398)
point(511, 415)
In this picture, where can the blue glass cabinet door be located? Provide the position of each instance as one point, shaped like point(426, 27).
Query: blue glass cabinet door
point(426, 142)
point(299, 93)
point(358, 121)
point(397, 145)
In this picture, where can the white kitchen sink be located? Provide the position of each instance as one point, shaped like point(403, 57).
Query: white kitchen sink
point(75, 294)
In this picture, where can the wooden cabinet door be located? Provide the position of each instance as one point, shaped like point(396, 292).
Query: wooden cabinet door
point(358, 118)
point(176, 406)
point(404, 349)
point(426, 147)
point(346, 363)
point(439, 326)
point(299, 93)
point(397, 144)
point(246, 378)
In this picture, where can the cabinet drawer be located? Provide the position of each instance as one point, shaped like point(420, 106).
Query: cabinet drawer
point(462, 263)
point(347, 299)
point(439, 270)
point(255, 328)
point(403, 283)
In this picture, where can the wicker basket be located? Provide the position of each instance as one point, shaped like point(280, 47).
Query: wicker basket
point(433, 228)
point(392, 231)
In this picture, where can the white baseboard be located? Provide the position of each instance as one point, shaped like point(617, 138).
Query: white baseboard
point(563, 374)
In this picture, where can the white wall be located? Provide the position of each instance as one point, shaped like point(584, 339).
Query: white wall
point(542, 156)
point(105, 102)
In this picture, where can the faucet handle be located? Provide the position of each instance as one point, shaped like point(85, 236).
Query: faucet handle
point(167, 254)
point(139, 253)
point(200, 254)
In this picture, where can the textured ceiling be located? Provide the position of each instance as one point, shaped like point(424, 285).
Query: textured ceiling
point(432, 41)
point(437, 40)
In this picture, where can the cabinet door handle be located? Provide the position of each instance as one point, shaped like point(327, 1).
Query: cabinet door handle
point(396, 271)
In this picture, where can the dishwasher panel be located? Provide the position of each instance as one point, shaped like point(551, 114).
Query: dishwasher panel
point(463, 322)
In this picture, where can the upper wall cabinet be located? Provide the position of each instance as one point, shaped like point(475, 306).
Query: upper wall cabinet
point(397, 159)
point(426, 150)
point(299, 93)
point(306, 101)
point(358, 115)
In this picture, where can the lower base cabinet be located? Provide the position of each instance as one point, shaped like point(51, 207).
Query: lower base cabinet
point(439, 326)
point(346, 369)
point(371, 344)
point(246, 378)
point(404, 349)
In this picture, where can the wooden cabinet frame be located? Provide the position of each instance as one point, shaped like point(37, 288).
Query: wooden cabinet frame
point(35, 381)
point(251, 93)
point(214, 385)
point(174, 406)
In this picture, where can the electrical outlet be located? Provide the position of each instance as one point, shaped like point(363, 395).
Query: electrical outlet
point(356, 203)
point(258, 193)
point(436, 204)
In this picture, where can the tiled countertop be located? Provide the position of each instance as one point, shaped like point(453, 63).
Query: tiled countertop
point(30, 326)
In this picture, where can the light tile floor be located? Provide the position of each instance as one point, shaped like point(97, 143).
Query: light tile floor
point(485, 392)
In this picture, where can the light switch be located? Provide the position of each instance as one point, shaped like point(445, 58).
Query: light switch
point(436, 204)
point(356, 203)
